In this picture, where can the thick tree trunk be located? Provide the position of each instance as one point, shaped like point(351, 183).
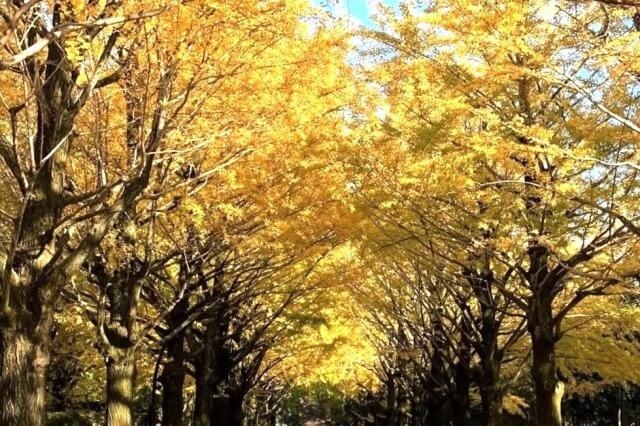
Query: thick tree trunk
point(237, 410)
point(172, 379)
point(117, 338)
point(460, 400)
point(435, 413)
point(490, 396)
point(490, 356)
point(121, 374)
point(459, 415)
point(490, 399)
point(174, 372)
point(212, 368)
point(205, 392)
point(227, 411)
point(221, 412)
point(26, 316)
point(25, 359)
point(548, 389)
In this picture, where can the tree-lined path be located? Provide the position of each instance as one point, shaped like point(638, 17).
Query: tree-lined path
point(232, 212)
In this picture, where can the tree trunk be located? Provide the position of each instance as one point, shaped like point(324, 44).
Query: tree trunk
point(26, 317)
point(417, 411)
point(121, 372)
point(227, 411)
point(459, 415)
point(174, 372)
point(212, 368)
point(25, 358)
point(391, 414)
point(438, 377)
point(490, 398)
point(272, 420)
point(625, 419)
point(237, 411)
point(205, 391)
point(435, 414)
point(490, 395)
point(482, 283)
point(172, 379)
point(460, 400)
point(462, 377)
point(548, 389)
point(221, 412)
point(117, 338)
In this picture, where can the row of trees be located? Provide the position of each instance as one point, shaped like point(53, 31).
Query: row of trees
point(186, 184)
point(506, 200)
point(153, 180)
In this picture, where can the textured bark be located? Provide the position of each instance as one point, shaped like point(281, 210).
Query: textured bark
point(118, 339)
point(28, 298)
point(26, 321)
point(22, 379)
point(121, 374)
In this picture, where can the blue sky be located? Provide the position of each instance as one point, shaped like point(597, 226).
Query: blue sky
point(360, 10)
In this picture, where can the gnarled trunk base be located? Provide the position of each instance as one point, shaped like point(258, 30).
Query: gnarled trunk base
point(23, 368)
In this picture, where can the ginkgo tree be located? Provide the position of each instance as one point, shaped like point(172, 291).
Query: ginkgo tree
point(492, 143)
point(105, 102)
point(229, 191)
point(59, 219)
